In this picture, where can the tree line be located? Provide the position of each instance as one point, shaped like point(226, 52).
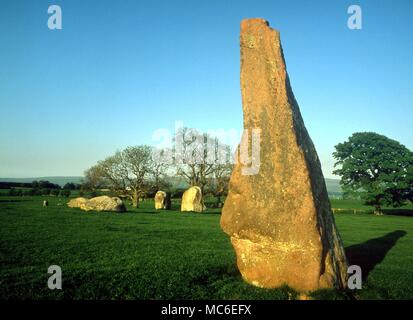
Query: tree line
point(38, 188)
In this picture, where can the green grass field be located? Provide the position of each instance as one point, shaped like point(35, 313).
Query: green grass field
point(144, 254)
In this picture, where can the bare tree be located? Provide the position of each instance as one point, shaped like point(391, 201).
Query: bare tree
point(159, 170)
point(94, 178)
point(128, 172)
point(197, 156)
point(219, 184)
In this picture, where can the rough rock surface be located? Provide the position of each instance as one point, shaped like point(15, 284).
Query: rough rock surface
point(192, 200)
point(160, 198)
point(77, 202)
point(102, 203)
point(279, 220)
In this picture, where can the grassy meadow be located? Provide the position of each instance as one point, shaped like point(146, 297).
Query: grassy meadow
point(145, 254)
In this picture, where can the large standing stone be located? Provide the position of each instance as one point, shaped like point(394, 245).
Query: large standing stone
point(279, 219)
point(192, 200)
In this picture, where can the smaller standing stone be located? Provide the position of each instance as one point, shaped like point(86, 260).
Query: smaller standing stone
point(192, 200)
point(45, 203)
point(160, 199)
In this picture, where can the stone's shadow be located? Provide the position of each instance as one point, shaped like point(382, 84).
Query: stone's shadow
point(211, 212)
point(398, 212)
point(370, 253)
point(228, 272)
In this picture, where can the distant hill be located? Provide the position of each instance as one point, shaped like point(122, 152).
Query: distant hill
point(61, 181)
point(333, 187)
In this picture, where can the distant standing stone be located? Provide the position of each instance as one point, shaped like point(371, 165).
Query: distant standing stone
point(45, 203)
point(160, 198)
point(192, 200)
point(280, 219)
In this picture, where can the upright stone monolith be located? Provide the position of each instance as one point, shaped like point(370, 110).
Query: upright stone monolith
point(279, 218)
point(160, 198)
point(192, 200)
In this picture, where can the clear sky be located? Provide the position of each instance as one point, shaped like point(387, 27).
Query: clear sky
point(119, 70)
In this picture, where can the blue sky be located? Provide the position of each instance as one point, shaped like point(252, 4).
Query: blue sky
point(119, 70)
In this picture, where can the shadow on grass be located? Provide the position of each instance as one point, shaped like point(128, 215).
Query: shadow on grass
point(10, 200)
point(399, 212)
point(225, 282)
point(212, 211)
point(370, 253)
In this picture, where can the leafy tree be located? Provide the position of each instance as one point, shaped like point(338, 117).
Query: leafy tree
point(409, 183)
point(44, 184)
point(45, 191)
point(65, 193)
point(70, 186)
point(28, 192)
point(15, 192)
point(55, 192)
point(379, 168)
